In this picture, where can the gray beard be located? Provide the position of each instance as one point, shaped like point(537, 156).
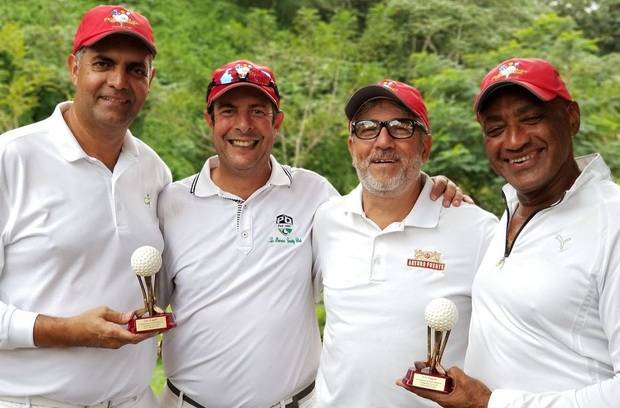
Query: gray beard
point(391, 186)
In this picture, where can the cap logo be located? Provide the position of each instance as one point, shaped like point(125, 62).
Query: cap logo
point(243, 70)
point(121, 17)
point(510, 68)
point(391, 85)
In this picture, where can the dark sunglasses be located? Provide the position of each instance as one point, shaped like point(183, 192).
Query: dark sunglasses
point(368, 129)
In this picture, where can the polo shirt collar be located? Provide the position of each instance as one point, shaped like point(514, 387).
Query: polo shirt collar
point(592, 166)
point(68, 145)
point(205, 187)
point(424, 214)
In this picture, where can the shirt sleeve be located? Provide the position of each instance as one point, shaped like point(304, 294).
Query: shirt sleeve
point(317, 276)
point(16, 326)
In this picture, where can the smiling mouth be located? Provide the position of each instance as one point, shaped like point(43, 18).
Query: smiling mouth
point(243, 143)
point(521, 159)
point(112, 99)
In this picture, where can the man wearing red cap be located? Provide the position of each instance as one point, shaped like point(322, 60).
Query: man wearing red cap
point(78, 196)
point(386, 250)
point(545, 329)
point(238, 259)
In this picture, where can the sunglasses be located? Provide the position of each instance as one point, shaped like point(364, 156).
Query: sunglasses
point(244, 73)
point(367, 129)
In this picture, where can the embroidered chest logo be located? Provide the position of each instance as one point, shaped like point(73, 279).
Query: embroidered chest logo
point(563, 242)
point(427, 259)
point(285, 226)
point(147, 199)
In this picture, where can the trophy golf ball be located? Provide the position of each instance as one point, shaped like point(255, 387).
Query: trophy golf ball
point(146, 261)
point(441, 314)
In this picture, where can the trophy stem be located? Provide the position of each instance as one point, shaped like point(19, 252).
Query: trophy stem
point(443, 346)
point(437, 337)
point(143, 292)
point(428, 345)
point(149, 290)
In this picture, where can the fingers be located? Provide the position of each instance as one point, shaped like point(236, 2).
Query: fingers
point(439, 186)
point(114, 316)
point(468, 199)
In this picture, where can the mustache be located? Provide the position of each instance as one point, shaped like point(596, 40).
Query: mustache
point(382, 156)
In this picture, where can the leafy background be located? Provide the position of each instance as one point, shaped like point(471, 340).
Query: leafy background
point(322, 50)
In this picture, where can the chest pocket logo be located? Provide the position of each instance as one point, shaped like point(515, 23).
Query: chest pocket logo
point(427, 260)
point(285, 226)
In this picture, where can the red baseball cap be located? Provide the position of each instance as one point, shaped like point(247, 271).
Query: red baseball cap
point(243, 73)
point(536, 75)
point(405, 94)
point(102, 21)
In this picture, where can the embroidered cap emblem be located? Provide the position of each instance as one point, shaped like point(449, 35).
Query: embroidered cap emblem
point(427, 259)
point(508, 69)
point(147, 199)
point(121, 17)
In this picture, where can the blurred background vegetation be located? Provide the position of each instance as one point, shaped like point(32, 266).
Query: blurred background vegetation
point(321, 51)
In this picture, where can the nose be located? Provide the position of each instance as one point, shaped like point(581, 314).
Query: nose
point(118, 78)
point(244, 121)
point(516, 137)
point(384, 140)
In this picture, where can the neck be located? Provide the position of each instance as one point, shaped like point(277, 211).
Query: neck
point(385, 209)
point(553, 192)
point(240, 183)
point(104, 146)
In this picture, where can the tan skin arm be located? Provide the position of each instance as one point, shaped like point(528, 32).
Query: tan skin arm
point(468, 392)
point(99, 327)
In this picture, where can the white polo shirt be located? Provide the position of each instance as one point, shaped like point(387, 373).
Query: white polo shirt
point(68, 227)
point(242, 292)
point(377, 284)
point(545, 329)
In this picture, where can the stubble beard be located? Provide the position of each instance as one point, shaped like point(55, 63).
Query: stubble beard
point(409, 170)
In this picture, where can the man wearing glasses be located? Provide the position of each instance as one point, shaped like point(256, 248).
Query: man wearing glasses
point(385, 251)
point(238, 259)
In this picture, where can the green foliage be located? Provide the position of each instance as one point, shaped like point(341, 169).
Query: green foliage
point(322, 51)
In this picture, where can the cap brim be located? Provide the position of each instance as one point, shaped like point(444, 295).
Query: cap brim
point(367, 93)
point(540, 93)
point(237, 85)
point(101, 36)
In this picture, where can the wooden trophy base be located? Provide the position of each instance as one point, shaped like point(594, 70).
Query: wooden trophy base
point(157, 322)
point(428, 378)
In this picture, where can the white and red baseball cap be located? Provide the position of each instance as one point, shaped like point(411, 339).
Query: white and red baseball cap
point(102, 21)
point(536, 75)
point(243, 73)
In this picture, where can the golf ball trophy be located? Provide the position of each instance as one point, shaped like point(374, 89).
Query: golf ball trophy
point(440, 316)
point(146, 262)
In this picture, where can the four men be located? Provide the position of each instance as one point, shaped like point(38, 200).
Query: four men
point(545, 329)
point(385, 250)
point(78, 195)
point(241, 258)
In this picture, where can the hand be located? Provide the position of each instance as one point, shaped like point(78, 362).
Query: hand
point(100, 327)
point(452, 194)
point(467, 393)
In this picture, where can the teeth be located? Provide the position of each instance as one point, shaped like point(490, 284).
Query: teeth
point(521, 159)
point(242, 143)
point(111, 99)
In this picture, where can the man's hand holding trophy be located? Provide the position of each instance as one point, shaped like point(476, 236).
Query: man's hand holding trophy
point(440, 315)
point(146, 262)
